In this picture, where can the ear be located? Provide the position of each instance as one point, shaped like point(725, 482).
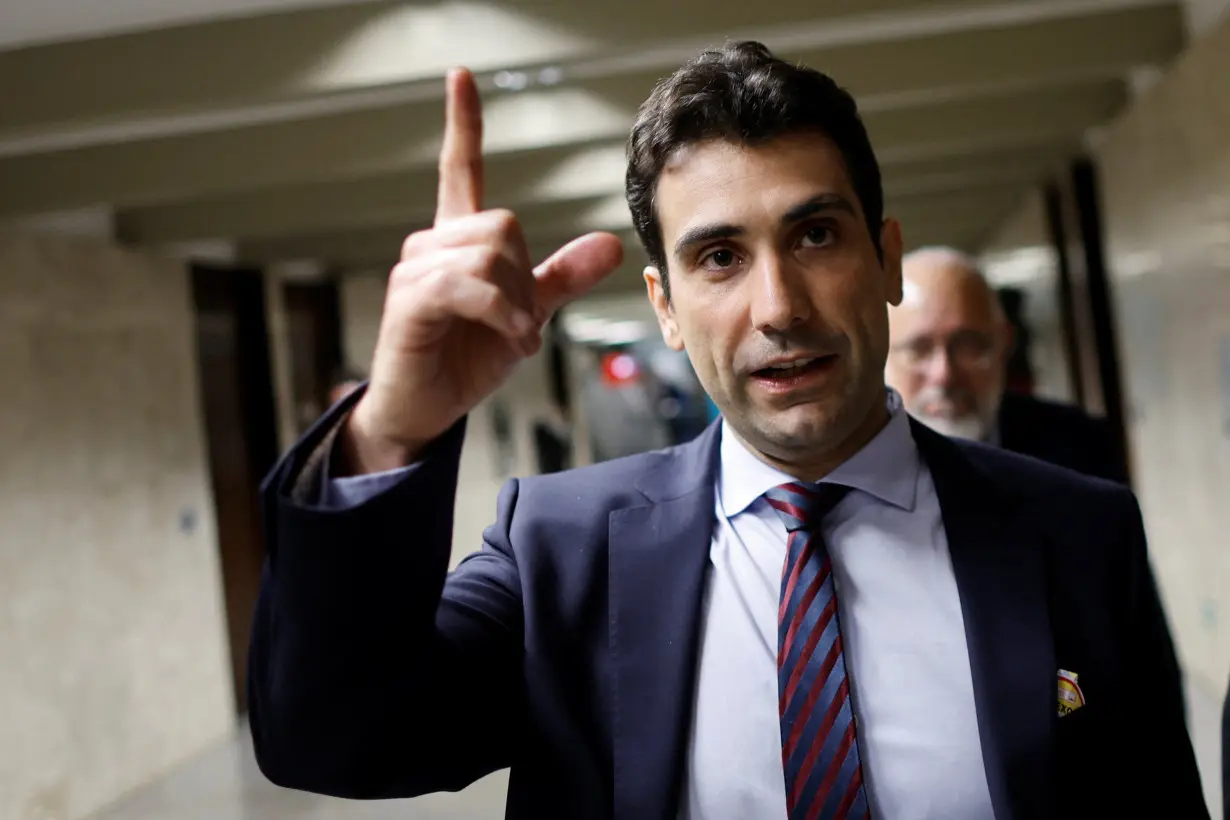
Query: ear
point(891, 245)
point(662, 307)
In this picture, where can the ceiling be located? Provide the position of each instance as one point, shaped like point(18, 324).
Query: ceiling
point(310, 132)
point(35, 22)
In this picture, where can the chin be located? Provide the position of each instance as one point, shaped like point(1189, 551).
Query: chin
point(804, 426)
point(807, 426)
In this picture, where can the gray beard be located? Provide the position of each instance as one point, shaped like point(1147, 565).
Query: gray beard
point(969, 427)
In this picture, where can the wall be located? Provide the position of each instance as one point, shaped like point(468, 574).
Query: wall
point(1165, 173)
point(525, 394)
point(111, 624)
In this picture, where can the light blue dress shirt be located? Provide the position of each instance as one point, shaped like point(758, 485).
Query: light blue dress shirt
point(902, 631)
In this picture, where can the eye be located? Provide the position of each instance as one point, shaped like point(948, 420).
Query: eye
point(720, 259)
point(817, 236)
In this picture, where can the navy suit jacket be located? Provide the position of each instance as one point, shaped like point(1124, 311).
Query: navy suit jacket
point(1061, 434)
point(566, 648)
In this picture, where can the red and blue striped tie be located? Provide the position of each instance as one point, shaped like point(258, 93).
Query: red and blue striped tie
point(824, 776)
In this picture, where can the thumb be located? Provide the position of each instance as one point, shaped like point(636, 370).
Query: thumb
point(574, 269)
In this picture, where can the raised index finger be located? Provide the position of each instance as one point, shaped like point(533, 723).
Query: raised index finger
point(461, 157)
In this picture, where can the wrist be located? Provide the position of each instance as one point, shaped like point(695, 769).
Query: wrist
point(366, 449)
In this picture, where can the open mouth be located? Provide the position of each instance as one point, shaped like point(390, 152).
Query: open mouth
point(795, 371)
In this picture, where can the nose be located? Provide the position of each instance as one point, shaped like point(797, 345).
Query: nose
point(938, 368)
point(779, 299)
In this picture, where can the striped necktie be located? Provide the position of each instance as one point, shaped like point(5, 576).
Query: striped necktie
point(824, 776)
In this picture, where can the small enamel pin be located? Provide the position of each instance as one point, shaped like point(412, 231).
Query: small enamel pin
point(1071, 697)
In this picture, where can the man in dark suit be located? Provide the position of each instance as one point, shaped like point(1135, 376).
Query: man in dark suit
point(816, 608)
point(950, 345)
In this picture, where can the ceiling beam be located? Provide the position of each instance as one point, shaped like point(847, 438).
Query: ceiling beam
point(387, 141)
point(405, 197)
point(334, 50)
point(318, 149)
point(340, 56)
point(512, 181)
point(344, 60)
point(1036, 52)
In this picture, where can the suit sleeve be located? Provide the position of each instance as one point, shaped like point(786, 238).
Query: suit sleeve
point(1168, 779)
point(373, 673)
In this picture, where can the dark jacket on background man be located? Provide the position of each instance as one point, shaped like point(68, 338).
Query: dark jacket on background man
point(1060, 434)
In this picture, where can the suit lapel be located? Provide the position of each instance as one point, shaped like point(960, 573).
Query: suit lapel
point(659, 552)
point(1000, 563)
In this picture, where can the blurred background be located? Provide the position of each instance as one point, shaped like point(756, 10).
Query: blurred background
point(200, 201)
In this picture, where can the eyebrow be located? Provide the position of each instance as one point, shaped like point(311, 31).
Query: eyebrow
point(705, 233)
point(817, 204)
point(811, 207)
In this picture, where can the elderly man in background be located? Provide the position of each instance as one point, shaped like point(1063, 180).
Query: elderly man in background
point(950, 343)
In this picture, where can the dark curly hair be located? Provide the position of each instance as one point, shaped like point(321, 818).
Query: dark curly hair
point(744, 94)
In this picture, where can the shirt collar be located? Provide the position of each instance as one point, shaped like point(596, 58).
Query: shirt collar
point(887, 466)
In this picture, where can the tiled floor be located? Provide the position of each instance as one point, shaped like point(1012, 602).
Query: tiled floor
point(224, 784)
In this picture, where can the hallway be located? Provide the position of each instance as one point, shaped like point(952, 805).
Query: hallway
point(202, 204)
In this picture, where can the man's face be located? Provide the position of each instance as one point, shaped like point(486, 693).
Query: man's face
point(949, 347)
point(777, 293)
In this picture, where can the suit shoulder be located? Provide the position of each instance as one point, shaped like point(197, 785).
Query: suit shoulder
point(1032, 478)
point(1095, 525)
point(565, 513)
point(613, 482)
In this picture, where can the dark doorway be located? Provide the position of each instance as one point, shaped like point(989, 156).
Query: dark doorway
point(1065, 290)
point(1020, 371)
point(1087, 197)
point(241, 435)
point(314, 328)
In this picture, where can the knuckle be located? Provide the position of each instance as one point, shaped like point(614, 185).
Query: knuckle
point(414, 243)
point(401, 272)
point(505, 222)
point(489, 299)
point(411, 270)
point(486, 262)
point(437, 284)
